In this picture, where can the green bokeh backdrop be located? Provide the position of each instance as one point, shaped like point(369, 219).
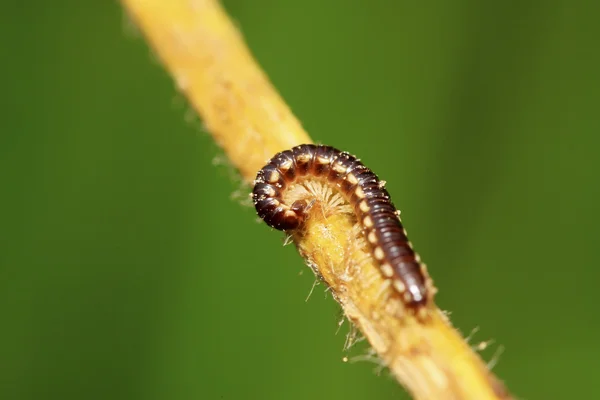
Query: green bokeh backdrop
point(128, 271)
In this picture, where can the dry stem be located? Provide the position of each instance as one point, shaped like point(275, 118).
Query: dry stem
point(205, 54)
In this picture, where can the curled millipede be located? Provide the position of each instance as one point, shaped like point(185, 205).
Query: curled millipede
point(364, 192)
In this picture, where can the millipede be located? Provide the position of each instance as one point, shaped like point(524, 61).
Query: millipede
point(366, 194)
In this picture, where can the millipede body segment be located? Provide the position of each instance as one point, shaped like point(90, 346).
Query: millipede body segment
point(366, 194)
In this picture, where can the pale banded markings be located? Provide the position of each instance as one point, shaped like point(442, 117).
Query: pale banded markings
point(359, 192)
point(378, 253)
point(343, 175)
point(363, 206)
point(286, 165)
point(399, 286)
point(339, 168)
point(303, 158)
point(352, 179)
point(273, 177)
point(372, 237)
point(387, 270)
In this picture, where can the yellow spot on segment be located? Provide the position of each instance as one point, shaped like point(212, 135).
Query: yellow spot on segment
point(323, 160)
point(352, 179)
point(339, 168)
point(287, 164)
point(290, 213)
point(379, 254)
point(372, 237)
point(359, 193)
point(408, 297)
point(363, 206)
point(303, 158)
point(273, 177)
point(368, 222)
point(417, 258)
point(387, 270)
point(399, 286)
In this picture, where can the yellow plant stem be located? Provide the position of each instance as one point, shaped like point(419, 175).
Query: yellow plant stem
point(211, 65)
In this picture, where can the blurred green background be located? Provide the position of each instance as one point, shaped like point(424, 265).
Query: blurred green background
point(128, 271)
